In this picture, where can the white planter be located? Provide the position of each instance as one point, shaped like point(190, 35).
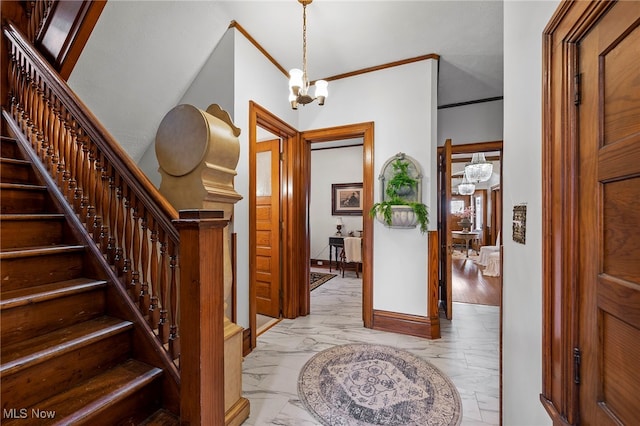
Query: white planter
point(401, 217)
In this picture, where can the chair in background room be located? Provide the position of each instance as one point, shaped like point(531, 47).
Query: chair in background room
point(351, 254)
point(485, 251)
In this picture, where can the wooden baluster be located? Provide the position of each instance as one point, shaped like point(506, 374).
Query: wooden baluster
point(174, 332)
point(98, 192)
point(26, 114)
point(106, 228)
point(39, 121)
point(119, 227)
point(13, 80)
point(67, 150)
point(154, 308)
point(92, 189)
point(135, 253)
point(126, 243)
point(84, 177)
point(145, 301)
point(113, 214)
point(58, 141)
point(163, 323)
point(75, 185)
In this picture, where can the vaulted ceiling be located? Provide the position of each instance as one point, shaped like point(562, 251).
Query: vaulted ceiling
point(344, 36)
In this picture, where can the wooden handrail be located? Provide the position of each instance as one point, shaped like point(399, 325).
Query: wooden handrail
point(127, 217)
point(132, 174)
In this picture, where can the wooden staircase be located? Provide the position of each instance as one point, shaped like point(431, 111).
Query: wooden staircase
point(65, 357)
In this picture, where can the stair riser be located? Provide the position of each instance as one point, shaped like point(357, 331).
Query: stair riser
point(25, 322)
point(23, 201)
point(128, 411)
point(26, 388)
point(9, 149)
point(38, 270)
point(16, 173)
point(30, 233)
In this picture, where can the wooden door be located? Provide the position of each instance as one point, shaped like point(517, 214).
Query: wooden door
point(267, 238)
point(609, 219)
point(446, 243)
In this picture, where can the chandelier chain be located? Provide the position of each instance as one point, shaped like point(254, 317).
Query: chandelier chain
point(304, 39)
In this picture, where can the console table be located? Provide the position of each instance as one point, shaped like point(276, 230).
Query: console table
point(466, 236)
point(335, 243)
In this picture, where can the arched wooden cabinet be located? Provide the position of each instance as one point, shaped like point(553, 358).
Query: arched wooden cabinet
point(591, 233)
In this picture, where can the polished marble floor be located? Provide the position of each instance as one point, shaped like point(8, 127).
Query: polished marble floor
point(467, 352)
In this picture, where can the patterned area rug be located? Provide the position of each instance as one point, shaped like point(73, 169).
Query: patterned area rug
point(362, 384)
point(318, 278)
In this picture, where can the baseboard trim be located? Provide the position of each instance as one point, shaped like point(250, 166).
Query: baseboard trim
point(412, 325)
point(246, 342)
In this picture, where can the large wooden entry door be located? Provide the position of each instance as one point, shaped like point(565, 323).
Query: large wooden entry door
point(609, 218)
point(267, 238)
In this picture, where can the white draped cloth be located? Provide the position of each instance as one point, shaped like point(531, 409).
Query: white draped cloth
point(353, 249)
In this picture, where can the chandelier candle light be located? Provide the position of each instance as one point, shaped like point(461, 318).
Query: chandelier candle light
point(298, 80)
point(466, 187)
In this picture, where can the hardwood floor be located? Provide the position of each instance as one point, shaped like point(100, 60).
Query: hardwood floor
point(471, 286)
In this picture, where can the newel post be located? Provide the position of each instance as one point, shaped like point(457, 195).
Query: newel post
point(201, 317)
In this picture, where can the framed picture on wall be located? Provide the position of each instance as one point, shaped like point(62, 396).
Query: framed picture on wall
point(346, 199)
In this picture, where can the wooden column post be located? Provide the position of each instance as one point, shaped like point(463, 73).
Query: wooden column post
point(201, 317)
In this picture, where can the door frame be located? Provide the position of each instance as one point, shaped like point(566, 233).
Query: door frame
point(295, 195)
point(350, 131)
point(443, 210)
point(571, 22)
point(260, 117)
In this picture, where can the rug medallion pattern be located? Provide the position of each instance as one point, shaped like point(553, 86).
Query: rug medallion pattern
point(361, 384)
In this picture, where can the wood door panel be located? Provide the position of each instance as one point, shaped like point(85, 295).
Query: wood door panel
point(621, 86)
point(619, 158)
point(620, 349)
point(609, 232)
point(620, 218)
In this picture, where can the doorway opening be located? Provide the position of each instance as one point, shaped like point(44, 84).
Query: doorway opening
point(293, 223)
point(471, 225)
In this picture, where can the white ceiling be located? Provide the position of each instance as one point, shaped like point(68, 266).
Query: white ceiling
point(345, 36)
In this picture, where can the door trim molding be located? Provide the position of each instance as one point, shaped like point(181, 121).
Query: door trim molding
point(366, 132)
point(259, 116)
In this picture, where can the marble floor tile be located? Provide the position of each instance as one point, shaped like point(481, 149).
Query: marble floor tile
point(468, 353)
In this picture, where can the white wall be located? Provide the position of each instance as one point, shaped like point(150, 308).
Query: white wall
point(402, 124)
point(522, 289)
point(255, 78)
point(130, 101)
point(212, 85)
point(470, 123)
point(329, 166)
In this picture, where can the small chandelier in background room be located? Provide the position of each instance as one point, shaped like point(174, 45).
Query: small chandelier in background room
point(466, 187)
point(479, 169)
point(298, 80)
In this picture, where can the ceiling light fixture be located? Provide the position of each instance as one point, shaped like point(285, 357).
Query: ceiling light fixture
point(466, 187)
point(298, 81)
point(479, 169)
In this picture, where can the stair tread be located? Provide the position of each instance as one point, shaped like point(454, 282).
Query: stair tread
point(40, 251)
point(30, 295)
point(4, 185)
point(20, 355)
point(98, 393)
point(161, 417)
point(15, 161)
point(32, 216)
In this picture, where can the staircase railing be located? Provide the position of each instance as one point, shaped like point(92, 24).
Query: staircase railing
point(132, 225)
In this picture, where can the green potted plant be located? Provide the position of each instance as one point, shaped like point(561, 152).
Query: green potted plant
point(398, 209)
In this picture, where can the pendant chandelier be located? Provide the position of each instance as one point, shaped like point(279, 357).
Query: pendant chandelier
point(298, 80)
point(479, 169)
point(466, 187)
